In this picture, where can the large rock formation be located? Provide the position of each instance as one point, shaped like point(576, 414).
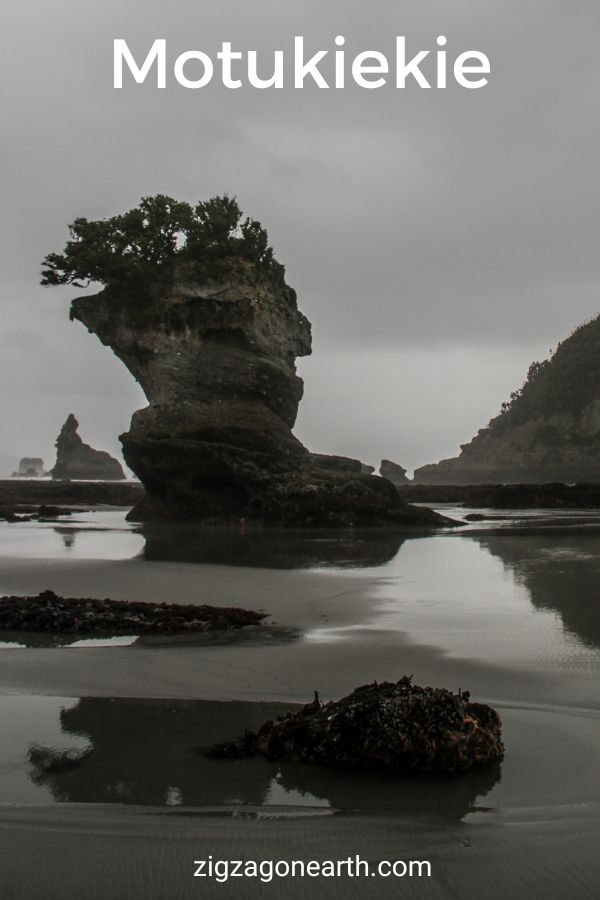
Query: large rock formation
point(76, 460)
point(549, 431)
point(215, 356)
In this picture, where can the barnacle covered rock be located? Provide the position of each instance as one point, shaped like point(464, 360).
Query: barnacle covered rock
point(395, 727)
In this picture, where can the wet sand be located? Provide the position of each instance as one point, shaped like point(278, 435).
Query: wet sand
point(324, 633)
point(531, 832)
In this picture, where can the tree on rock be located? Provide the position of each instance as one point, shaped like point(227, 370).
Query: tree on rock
point(145, 244)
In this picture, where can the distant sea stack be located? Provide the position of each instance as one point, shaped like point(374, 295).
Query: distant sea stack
point(548, 431)
point(394, 472)
point(211, 332)
point(78, 461)
point(30, 467)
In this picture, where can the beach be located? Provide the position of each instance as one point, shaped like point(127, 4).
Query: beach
point(506, 616)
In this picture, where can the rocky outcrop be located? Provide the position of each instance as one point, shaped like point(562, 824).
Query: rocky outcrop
point(394, 472)
point(76, 460)
point(549, 431)
point(341, 464)
point(30, 467)
point(47, 612)
point(215, 357)
point(391, 727)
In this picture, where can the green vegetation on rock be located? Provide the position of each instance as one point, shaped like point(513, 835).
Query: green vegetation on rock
point(145, 244)
point(566, 382)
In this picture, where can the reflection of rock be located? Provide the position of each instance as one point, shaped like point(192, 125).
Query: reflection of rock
point(271, 548)
point(30, 467)
point(400, 728)
point(564, 581)
point(447, 797)
point(216, 360)
point(68, 536)
point(146, 752)
point(74, 459)
point(46, 761)
point(393, 471)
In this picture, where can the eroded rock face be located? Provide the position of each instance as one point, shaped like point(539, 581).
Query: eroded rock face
point(77, 460)
point(392, 727)
point(216, 360)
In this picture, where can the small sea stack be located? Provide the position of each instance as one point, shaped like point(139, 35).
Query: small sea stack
point(76, 460)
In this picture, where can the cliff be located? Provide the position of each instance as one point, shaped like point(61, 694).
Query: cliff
point(76, 460)
point(215, 355)
point(548, 431)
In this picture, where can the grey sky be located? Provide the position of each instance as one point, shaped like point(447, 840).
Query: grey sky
point(438, 240)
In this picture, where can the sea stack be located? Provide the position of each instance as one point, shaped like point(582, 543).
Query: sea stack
point(78, 461)
point(30, 467)
point(393, 471)
point(197, 307)
point(216, 359)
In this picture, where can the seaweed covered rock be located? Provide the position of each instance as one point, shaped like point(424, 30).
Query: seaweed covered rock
point(49, 613)
point(393, 727)
point(74, 459)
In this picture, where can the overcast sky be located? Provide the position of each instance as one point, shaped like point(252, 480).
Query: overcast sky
point(438, 240)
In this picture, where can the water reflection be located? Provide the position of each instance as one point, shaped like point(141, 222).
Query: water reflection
point(271, 548)
point(68, 536)
point(561, 574)
point(150, 752)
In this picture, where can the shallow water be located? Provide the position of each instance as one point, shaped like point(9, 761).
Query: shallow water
point(151, 752)
point(525, 602)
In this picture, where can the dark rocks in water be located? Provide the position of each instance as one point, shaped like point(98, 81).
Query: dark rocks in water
point(31, 467)
point(549, 430)
point(215, 356)
point(507, 496)
point(76, 460)
point(393, 471)
point(398, 728)
point(48, 612)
